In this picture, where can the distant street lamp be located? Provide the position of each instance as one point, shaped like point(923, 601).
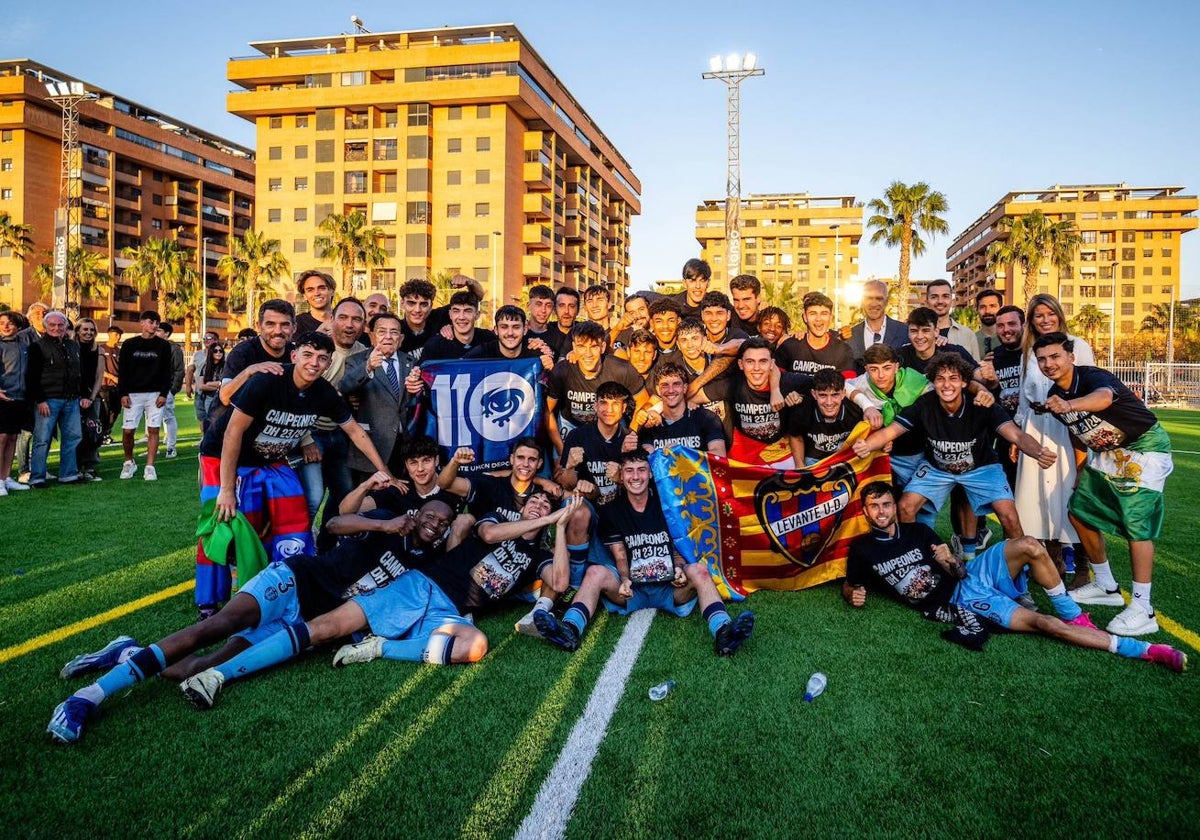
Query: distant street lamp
point(1112, 324)
point(495, 272)
point(204, 287)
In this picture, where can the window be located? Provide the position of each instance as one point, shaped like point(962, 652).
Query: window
point(275, 215)
point(453, 211)
point(157, 200)
point(300, 214)
point(385, 182)
point(302, 153)
point(454, 112)
point(324, 151)
point(416, 245)
point(1127, 272)
point(322, 212)
point(318, 80)
point(325, 119)
point(275, 122)
point(418, 113)
point(483, 144)
point(417, 180)
point(481, 241)
point(358, 77)
point(1088, 237)
point(275, 184)
point(1066, 291)
point(452, 243)
point(1147, 252)
point(483, 176)
point(1147, 271)
point(1147, 234)
point(1127, 289)
point(1167, 234)
point(454, 145)
point(301, 182)
point(6, 135)
point(6, 165)
point(5, 280)
point(1166, 271)
point(275, 153)
point(324, 183)
point(1147, 290)
point(481, 275)
point(156, 224)
point(356, 182)
point(483, 111)
point(1128, 253)
point(482, 209)
point(418, 147)
point(299, 246)
point(302, 121)
point(1128, 236)
point(453, 177)
point(418, 212)
point(1166, 252)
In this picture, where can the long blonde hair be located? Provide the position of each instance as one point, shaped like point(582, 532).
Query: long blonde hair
point(1030, 334)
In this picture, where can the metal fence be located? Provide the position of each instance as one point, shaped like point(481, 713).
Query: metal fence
point(1162, 385)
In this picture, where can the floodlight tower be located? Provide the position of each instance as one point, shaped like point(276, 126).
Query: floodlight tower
point(733, 70)
point(67, 96)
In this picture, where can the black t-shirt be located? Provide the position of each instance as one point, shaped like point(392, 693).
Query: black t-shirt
point(251, 353)
point(145, 366)
point(451, 348)
point(306, 322)
point(959, 442)
point(644, 535)
point(823, 437)
point(751, 410)
point(491, 350)
point(688, 311)
point(282, 414)
point(492, 494)
point(1007, 363)
point(909, 359)
point(477, 575)
point(798, 356)
point(576, 394)
point(413, 343)
point(390, 499)
point(598, 451)
point(696, 429)
point(89, 360)
point(1123, 422)
point(901, 566)
point(553, 336)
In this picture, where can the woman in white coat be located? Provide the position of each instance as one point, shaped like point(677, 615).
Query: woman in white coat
point(1042, 495)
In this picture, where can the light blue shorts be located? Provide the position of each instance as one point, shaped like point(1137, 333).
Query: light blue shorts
point(411, 607)
point(274, 588)
point(656, 596)
point(983, 486)
point(903, 467)
point(988, 590)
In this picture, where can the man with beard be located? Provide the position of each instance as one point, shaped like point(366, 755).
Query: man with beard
point(635, 316)
point(939, 296)
point(266, 353)
point(987, 305)
point(1006, 359)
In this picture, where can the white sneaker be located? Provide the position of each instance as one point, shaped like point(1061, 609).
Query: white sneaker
point(1094, 593)
point(366, 650)
point(526, 627)
point(129, 470)
point(150, 474)
point(3, 490)
point(13, 484)
point(171, 453)
point(1133, 621)
point(202, 689)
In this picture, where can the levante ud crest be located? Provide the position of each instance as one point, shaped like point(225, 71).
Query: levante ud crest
point(800, 510)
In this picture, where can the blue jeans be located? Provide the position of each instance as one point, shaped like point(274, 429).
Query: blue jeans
point(65, 415)
point(331, 473)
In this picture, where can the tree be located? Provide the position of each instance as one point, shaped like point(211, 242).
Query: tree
point(254, 263)
point(14, 236)
point(87, 274)
point(1089, 322)
point(783, 294)
point(900, 217)
point(164, 266)
point(184, 306)
point(350, 243)
point(1031, 241)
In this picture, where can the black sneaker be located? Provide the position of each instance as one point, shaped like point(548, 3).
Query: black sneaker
point(731, 636)
point(558, 633)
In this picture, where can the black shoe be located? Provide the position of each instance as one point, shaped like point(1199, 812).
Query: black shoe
point(731, 636)
point(558, 633)
point(207, 611)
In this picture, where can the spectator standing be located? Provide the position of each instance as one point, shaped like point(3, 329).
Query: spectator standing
point(91, 378)
point(178, 370)
point(191, 375)
point(209, 379)
point(145, 382)
point(109, 392)
point(16, 415)
point(52, 386)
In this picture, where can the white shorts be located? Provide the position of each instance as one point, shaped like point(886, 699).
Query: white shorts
point(140, 404)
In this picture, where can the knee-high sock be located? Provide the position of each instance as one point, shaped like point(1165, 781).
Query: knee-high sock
point(1063, 604)
point(578, 616)
point(147, 662)
point(1127, 647)
point(276, 648)
point(717, 617)
point(436, 649)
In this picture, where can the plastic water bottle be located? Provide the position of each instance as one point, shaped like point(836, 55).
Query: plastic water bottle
point(816, 685)
point(660, 691)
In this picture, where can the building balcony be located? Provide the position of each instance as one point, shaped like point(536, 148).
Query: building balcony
point(537, 205)
point(572, 230)
point(537, 177)
point(574, 255)
point(534, 266)
point(536, 236)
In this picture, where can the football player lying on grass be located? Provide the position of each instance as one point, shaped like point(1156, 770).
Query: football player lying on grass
point(911, 563)
point(420, 616)
point(374, 552)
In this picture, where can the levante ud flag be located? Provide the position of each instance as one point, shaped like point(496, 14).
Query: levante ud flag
point(761, 528)
point(485, 405)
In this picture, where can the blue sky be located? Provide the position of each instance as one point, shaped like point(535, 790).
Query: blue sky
point(976, 99)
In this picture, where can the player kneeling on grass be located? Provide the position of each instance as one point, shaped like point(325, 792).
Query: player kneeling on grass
point(420, 617)
point(648, 574)
point(910, 562)
point(373, 553)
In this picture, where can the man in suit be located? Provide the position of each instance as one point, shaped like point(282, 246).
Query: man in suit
point(379, 380)
point(876, 327)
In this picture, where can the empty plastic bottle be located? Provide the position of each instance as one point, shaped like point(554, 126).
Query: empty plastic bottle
point(816, 685)
point(660, 691)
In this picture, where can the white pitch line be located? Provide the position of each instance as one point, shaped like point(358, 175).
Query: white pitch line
point(551, 811)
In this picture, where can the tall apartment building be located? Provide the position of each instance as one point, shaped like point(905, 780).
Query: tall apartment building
point(143, 175)
point(1129, 255)
point(788, 237)
point(460, 144)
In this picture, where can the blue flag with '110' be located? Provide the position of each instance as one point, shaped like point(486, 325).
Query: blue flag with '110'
point(485, 405)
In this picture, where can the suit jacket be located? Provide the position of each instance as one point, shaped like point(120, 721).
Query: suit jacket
point(382, 413)
point(895, 335)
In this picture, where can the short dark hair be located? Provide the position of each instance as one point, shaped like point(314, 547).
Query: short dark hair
point(816, 299)
point(756, 342)
point(421, 446)
point(880, 354)
point(278, 305)
point(111, 328)
point(877, 488)
point(589, 331)
point(746, 281)
point(1054, 338)
point(712, 299)
point(635, 455)
point(696, 268)
point(166, 327)
point(508, 312)
point(596, 290)
point(526, 441)
point(312, 272)
point(941, 281)
point(665, 304)
point(922, 316)
point(315, 340)
point(149, 315)
point(776, 312)
point(541, 292)
point(828, 379)
point(987, 293)
point(642, 336)
point(464, 298)
point(612, 391)
point(567, 290)
point(1004, 310)
point(247, 332)
point(669, 369)
point(418, 288)
point(951, 363)
point(642, 296)
point(691, 325)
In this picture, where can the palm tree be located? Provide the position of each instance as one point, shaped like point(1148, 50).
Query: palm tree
point(350, 243)
point(254, 263)
point(159, 264)
point(899, 219)
point(183, 306)
point(1030, 241)
point(87, 272)
point(16, 237)
point(783, 294)
point(1088, 322)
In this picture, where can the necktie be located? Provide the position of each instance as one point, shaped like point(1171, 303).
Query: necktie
point(877, 337)
point(393, 379)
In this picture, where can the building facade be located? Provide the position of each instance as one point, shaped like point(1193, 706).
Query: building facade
point(1128, 260)
point(789, 238)
point(139, 175)
point(459, 144)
